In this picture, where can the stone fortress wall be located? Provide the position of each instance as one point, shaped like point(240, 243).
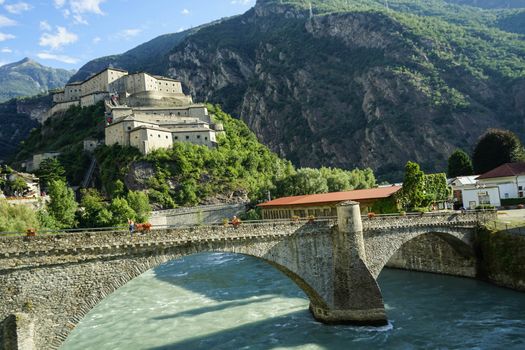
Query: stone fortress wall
point(145, 111)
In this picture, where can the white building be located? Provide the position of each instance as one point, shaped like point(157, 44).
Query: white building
point(34, 163)
point(509, 178)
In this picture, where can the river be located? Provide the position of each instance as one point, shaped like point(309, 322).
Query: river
point(227, 301)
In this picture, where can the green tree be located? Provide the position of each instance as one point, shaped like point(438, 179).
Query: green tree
point(16, 218)
point(309, 181)
point(459, 164)
point(62, 206)
point(17, 185)
point(412, 194)
point(139, 202)
point(50, 170)
point(497, 147)
point(95, 211)
point(121, 211)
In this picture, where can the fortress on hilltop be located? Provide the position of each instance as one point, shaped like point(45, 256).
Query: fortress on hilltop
point(142, 110)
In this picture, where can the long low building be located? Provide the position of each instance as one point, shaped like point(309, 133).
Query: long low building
point(324, 204)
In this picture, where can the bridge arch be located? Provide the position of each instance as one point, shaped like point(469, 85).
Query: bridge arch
point(383, 245)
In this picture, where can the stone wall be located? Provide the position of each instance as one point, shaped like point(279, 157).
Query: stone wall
point(433, 253)
point(205, 214)
point(502, 258)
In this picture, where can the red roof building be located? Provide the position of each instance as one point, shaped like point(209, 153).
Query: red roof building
point(504, 170)
point(323, 204)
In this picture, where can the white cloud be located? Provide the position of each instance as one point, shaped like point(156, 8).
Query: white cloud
point(3, 63)
point(6, 50)
point(1, 2)
point(5, 22)
point(78, 19)
point(4, 36)
point(86, 6)
point(96, 40)
point(128, 33)
point(60, 58)
point(18, 7)
point(59, 3)
point(44, 25)
point(185, 12)
point(60, 38)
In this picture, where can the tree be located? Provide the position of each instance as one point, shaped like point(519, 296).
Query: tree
point(459, 164)
point(50, 170)
point(497, 147)
point(139, 202)
point(121, 211)
point(18, 185)
point(309, 181)
point(62, 206)
point(16, 218)
point(95, 211)
point(413, 186)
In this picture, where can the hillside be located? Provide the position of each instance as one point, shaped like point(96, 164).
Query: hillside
point(240, 168)
point(17, 118)
point(29, 78)
point(359, 84)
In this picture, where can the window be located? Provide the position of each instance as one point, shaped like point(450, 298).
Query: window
point(198, 136)
point(176, 137)
point(187, 137)
point(129, 127)
point(483, 198)
point(159, 136)
point(206, 138)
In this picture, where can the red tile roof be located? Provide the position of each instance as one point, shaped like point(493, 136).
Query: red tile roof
point(507, 169)
point(334, 197)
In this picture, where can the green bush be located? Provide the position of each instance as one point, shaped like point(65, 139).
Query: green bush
point(512, 201)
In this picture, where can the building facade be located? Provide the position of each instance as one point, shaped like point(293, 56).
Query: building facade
point(324, 204)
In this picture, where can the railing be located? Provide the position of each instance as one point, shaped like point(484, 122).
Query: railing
point(117, 229)
point(184, 210)
point(331, 220)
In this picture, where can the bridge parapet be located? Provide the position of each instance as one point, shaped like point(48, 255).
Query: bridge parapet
point(78, 244)
point(469, 218)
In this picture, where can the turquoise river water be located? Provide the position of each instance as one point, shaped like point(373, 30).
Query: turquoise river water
point(226, 301)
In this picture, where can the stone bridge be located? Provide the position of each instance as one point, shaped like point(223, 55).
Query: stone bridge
point(49, 282)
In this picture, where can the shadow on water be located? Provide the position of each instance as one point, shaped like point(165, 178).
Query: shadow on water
point(293, 330)
point(219, 307)
point(223, 277)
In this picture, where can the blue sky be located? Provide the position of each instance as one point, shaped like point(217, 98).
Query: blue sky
point(68, 33)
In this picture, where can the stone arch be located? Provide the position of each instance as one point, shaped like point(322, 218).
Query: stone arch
point(381, 246)
point(126, 269)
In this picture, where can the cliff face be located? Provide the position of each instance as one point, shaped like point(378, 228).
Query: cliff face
point(344, 89)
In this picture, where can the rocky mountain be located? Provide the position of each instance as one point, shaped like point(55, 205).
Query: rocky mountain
point(355, 83)
point(29, 78)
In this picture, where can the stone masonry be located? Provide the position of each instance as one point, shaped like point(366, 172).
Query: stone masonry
point(49, 283)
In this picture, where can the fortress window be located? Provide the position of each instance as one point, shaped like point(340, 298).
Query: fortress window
point(187, 137)
point(206, 138)
point(129, 127)
point(176, 137)
point(159, 135)
point(166, 137)
point(198, 136)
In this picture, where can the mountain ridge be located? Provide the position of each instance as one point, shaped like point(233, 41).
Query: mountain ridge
point(358, 84)
point(27, 78)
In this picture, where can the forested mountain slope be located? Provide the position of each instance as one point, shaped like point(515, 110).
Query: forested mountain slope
point(353, 83)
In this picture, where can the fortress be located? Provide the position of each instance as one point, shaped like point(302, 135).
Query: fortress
point(142, 110)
